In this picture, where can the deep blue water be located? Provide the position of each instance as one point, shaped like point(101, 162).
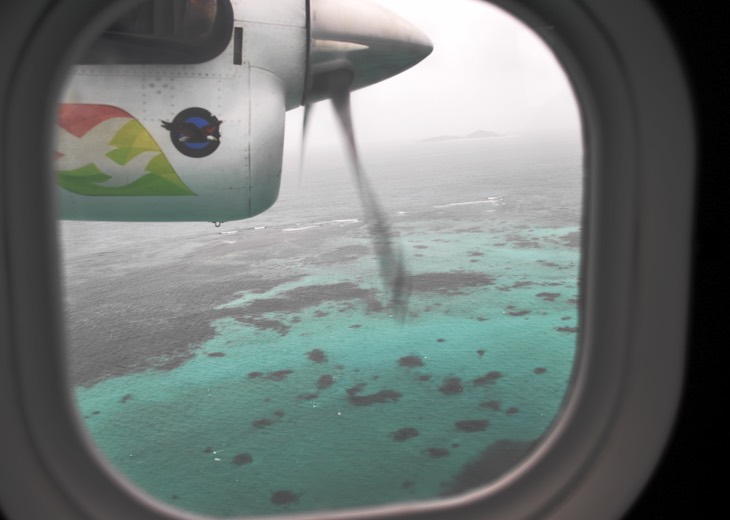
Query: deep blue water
point(256, 368)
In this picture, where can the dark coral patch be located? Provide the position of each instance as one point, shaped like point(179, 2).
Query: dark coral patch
point(488, 378)
point(383, 396)
point(424, 377)
point(283, 497)
point(355, 326)
point(325, 381)
point(254, 375)
point(471, 425)
point(125, 398)
point(451, 386)
point(548, 296)
point(355, 389)
point(550, 264)
point(523, 242)
point(262, 423)
point(437, 453)
point(279, 375)
point(567, 329)
point(410, 361)
point(440, 340)
point(518, 313)
point(540, 370)
point(307, 397)
point(449, 283)
point(404, 434)
point(242, 458)
point(209, 449)
point(264, 324)
point(490, 405)
point(320, 314)
point(317, 355)
point(374, 305)
point(216, 354)
point(512, 410)
point(481, 352)
point(279, 413)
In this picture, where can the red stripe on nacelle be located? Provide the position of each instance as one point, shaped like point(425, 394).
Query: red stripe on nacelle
point(80, 118)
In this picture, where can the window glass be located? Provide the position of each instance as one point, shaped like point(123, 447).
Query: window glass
point(256, 368)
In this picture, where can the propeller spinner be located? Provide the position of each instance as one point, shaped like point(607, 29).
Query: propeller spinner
point(354, 44)
point(362, 37)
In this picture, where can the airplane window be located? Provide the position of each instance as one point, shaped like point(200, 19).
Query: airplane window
point(401, 324)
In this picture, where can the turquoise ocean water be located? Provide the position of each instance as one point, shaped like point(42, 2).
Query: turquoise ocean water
point(256, 368)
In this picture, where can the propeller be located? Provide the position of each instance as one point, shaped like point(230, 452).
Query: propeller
point(390, 256)
point(355, 44)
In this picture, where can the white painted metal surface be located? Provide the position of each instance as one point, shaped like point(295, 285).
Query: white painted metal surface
point(245, 90)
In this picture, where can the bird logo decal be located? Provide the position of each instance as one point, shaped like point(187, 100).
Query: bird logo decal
point(195, 132)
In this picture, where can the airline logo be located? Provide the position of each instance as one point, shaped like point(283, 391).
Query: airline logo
point(195, 132)
point(103, 150)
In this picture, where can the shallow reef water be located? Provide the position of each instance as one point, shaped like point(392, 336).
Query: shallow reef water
point(262, 370)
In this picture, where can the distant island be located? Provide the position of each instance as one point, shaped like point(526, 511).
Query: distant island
point(479, 134)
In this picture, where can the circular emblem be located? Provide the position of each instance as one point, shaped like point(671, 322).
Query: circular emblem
point(195, 132)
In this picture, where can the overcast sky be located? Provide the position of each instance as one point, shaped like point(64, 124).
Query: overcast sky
point(487, 71)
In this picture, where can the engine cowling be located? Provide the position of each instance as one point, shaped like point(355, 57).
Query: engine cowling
point(161, 126)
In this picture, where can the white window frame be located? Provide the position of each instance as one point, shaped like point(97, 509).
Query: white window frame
point(639, 145)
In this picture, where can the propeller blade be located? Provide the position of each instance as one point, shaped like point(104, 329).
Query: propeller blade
point(390, 257)
point(308, 108)
point(354, 44)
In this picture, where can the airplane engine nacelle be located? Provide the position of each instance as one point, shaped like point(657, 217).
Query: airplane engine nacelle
point(176, 112)
point(147, 139)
